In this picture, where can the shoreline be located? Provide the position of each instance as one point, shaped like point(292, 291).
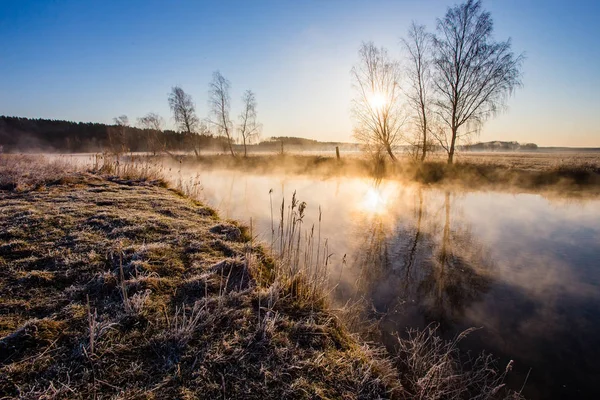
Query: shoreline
point(572, 177)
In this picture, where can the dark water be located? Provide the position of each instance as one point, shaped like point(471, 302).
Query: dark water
point(524, 268)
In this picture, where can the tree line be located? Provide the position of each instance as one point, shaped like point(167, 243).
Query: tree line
point(449, 83)
point(147, 133)
point(37, 134)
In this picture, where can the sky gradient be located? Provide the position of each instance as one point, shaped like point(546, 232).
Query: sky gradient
point(94, 60)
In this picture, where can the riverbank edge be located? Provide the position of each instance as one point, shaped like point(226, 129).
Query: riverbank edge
point(572, 177)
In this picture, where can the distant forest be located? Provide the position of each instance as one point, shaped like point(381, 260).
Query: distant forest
point(45, 135)
point(27, 134)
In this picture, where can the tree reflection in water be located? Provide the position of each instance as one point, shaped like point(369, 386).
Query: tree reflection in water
point(419, 265)
point(458, 273)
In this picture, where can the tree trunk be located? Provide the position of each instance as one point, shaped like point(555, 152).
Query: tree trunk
point(388, 148)
point(230, 146)
point(194, 145)
point(424, 116)
point(245, 151)
point(424, 143)
point(452, 143)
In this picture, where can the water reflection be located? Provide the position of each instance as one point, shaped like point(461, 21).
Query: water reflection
point(403, 263)
point(414, 246)
point(374, 201)
point(459, 272)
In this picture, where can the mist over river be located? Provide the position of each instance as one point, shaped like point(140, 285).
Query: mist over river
point(522, 267)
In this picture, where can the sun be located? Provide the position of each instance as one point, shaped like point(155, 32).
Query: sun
point(377, 100)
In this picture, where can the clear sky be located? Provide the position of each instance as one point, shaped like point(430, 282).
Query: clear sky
point(94, 60)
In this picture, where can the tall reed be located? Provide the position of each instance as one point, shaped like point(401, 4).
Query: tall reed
point(302, 262)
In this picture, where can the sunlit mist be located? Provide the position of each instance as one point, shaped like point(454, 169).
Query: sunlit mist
point(374, 201)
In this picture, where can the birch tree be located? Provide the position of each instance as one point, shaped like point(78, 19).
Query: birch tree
point(248, 126)
point(376, 108)
point(152, 123)
point(418, 49)
point(473, 73)
point(184, 113)
point(220, 106)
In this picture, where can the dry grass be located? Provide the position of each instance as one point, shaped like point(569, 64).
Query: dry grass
point(137, 291)
point(24, 172)
point(533, 161)
point(432, 368)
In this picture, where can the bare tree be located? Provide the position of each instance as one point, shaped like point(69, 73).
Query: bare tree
point(219, 101)
point(153, 124)
point(184, 112)
point(474, 74)
point(121, 120)
point(117, 135)
point(248, 127)
point(376, 108)
point(418, 49)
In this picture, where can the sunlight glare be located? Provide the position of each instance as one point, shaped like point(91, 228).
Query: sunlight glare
point(377, 100)
point(374, 202)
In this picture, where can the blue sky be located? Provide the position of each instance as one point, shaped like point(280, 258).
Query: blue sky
point(94, 60)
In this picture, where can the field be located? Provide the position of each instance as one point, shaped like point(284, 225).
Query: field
point(534, 161)
point(114, 285)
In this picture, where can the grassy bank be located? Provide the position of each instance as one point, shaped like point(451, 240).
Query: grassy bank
point(508, 171)
point(116, 286)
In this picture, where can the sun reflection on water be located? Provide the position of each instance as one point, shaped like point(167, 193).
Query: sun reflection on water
point(374, 201)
